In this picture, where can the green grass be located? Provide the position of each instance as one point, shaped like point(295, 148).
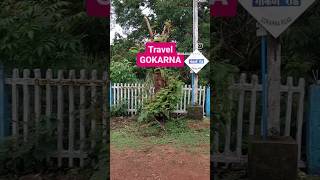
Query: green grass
point(176, 134)
point(123, 139)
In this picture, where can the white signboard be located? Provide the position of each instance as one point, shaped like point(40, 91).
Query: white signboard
point(196, 61)
point(276, 15)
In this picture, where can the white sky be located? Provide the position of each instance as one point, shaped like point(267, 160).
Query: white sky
point(116, 28)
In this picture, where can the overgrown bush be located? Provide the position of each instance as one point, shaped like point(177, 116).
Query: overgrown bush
point(18, 157)
point(122, 71)
point(119, 109)
point(100, 170)
point(222, 77)
point(159, 107)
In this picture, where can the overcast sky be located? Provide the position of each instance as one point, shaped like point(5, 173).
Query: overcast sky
point(116, 28)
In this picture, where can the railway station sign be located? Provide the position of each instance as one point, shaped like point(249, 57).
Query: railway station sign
point(276, 15)
point(196, 61)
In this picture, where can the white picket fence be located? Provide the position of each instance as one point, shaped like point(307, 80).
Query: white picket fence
point(71, 99)
point(229, 141)
point(133, 95)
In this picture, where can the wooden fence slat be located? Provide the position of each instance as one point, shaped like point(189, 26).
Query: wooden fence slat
point(121, 93)
point(118, 93)
point(15, 103)
point(114, 93)
point(72, 75)
point(228, 125)
point(139, 95)
point(185, 98)
point(300, 115)
point(105, 106)
point(240, 116)
point(289, 107)
point(48, 95)
point(126, 95)
point(82, 114)
point(189, 94)
point(60, 102)
point(199, 95)
point(93, 106)
point(48, 101)
point(216, 142)
point(180, 105)
point(253, 104)
point(37, 95)
point(135, 98)
point(132, 98)
point(26, 105)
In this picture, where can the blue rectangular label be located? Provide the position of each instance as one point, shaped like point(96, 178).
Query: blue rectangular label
point(196, 61)
point(276, 3)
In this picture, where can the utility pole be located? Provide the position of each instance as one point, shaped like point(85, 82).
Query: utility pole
point(195, 77)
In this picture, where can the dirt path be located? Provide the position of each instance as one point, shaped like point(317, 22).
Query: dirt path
point(159, 163)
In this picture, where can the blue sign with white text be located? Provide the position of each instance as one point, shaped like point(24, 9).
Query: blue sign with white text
point(196, 61)
point(280, 3)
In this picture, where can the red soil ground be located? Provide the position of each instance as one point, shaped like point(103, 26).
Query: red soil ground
point(159, 163)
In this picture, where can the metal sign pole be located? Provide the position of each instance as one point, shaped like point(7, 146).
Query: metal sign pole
point(264, 76)
point(264, 79)
point(195, 47)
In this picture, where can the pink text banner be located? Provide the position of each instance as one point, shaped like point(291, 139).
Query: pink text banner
point(160, 55)
point(223, 8)
point(98, 8)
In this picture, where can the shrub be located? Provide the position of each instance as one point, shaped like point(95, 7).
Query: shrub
point(122, 71)
point(159, 107)
point(17, 157)
point(119, 109)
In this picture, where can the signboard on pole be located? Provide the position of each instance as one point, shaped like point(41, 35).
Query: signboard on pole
point(276, 15)
point(98, 8)
point(196, 61)
point(223, 8)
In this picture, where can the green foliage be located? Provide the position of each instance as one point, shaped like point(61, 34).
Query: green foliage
point(297, 67)
point(151, 129)
point(100, 170)
point(18, 157)
point(46, 34)
point(163, 103)
point(119, 109)
point(222, 76)
point(122, 71)
point(177, 126)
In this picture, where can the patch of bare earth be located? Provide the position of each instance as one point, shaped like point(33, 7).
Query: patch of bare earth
point(159, 163)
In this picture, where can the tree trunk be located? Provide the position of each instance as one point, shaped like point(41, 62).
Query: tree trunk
point(159, 81)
